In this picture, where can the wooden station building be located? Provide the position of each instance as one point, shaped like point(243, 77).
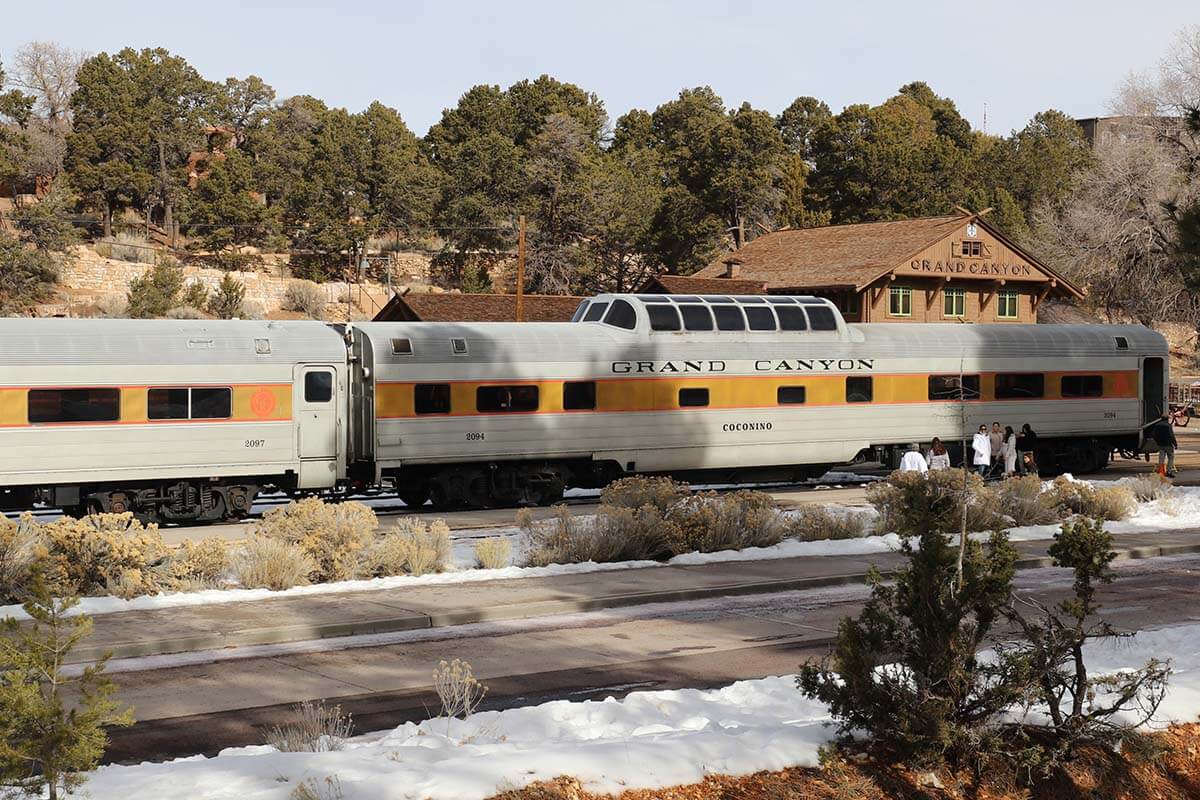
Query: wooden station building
point(934, 269)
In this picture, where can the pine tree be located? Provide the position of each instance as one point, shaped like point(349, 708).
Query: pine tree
point(226, 301)
point(47, 740)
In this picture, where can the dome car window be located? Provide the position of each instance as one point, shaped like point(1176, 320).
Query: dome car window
point(506, 399)
point(579, 312)
point(729, 318)
point(663, 318)
point(791, 318)
point(761, 318)
point(822, 318)
point(696, 318)
point(595, 312)
point(74, 405)
point(621, 315)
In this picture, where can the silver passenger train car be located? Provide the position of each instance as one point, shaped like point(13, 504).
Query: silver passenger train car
point(187, 421)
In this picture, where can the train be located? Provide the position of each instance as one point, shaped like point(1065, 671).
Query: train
point(188, 421)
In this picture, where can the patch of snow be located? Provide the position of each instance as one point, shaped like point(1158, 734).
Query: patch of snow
point(648, 740)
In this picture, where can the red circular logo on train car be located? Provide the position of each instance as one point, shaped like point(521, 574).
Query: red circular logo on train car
point(262, 403)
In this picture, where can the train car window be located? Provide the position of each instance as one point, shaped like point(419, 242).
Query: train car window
point(749, 299)
point(579, 395)
point(217, 402)
point(431, 398)
point(696, 318)
point(458, 347)
point(685, 298)
point(716, 298)
point(664, 318)
point(790, 395)
point(1020, 385)
point(945, 387)
point(791, 318)
point(318, 386)
point(579, 312)
point(402, 347)
point(506, 398)
point(167, 404)
point(74, 405)
point(653, 298)
point(822, 318)
point(860, 390)
point(693, 398)
point(761, 318)
point(621, 315)
point(1082, 386)
point(729, 318)
point(595, 312)
point(782, 301)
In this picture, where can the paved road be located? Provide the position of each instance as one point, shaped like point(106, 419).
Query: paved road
point(201, 708)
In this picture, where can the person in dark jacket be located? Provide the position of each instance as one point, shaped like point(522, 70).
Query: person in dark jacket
point(1026, 445)
point(1164, 436)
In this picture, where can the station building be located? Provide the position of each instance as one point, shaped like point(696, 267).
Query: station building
point(933, 269)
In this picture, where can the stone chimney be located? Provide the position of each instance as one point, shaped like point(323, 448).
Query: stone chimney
point(733, 267)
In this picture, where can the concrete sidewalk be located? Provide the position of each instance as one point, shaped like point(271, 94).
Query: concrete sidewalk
point(305, 618)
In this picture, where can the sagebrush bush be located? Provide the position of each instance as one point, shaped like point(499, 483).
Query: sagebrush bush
point(611, 534)
point(335, 535)
point(185, 312)
point(710, 522)
point(493, 553)
point(1023, 500)
point(661, 493)
point(812, 523)
point(952, 487)
point(412, 549)
point(305, 297)
point(1148, 487)
point(314, 729)
point(195, 565)
point(1111, 503)
point(85, 556)
point(130, 247)
point(21, 548)
point(265, 563)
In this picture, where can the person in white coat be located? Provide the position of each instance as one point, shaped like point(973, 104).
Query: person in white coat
point(939, 456)
point(913, 461)
point(1008, 451)
point(982, 446)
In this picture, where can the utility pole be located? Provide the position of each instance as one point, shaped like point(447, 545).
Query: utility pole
point(521, 268)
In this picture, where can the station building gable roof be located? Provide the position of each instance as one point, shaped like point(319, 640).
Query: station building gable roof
point(691, 284)
point(453, 307)
point(855, 256)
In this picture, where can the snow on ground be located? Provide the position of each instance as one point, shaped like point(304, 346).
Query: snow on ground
point(647, 740)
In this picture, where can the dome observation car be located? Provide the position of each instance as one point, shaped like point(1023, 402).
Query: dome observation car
point(673, 313)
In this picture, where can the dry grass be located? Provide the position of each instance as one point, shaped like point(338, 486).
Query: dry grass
point(1149, 487)
point(335, 535)
point(1111, 503)
point(660, 493)
point(611, 534)
point(305, 297)
point(414, 548)
point(457, 688)
point(711, 522)
point(315, 729)
point(1023, 500)
point(493, 553)
point(328, 788)
point(202, 564)
point(812, 523)
point(21, 548)
point(265, 563)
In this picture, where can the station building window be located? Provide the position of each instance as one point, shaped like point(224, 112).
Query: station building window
point(431, 398)
point(860, 390)
point(1007, 304)
point(74, 405)
point(954, 303)
point(506, 399)
point(900, 301)
point(1082, 386)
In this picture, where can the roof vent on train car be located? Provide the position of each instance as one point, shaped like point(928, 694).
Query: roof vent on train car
point(1122, 343)
point(458, 347)
point(262, 347)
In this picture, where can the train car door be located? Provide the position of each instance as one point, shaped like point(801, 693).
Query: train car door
point(1153, 390)
point(316, 390)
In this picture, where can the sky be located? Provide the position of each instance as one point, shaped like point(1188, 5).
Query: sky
point(1013, 58)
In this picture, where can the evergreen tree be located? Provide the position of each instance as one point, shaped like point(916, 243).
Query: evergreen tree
point(52, 727)
point(224, 210)
point(226, 302)
point(155, 292)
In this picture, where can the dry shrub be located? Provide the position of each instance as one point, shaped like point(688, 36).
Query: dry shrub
point(954, 485)
point(197, 565)
point(711, 522)
point(328, 788)
point(21, 547)
point(414, 548)
point(457, 689)
point(1023, 500)
point(812, 523)
point(611, 534)
point(1149, 487)
point(493, 553)
point(334, 535)
point(265, 563)
point(305, 297)
point(316, 729)
point(637, 492)
point(1111, 503)
point(88, 555)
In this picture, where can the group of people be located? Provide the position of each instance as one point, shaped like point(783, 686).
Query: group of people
point(1002, 451)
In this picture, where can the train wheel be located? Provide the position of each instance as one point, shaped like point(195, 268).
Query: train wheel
point(415, 496)
point(476, 491)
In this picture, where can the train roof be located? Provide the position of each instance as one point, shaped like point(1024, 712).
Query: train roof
point(137, 341)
